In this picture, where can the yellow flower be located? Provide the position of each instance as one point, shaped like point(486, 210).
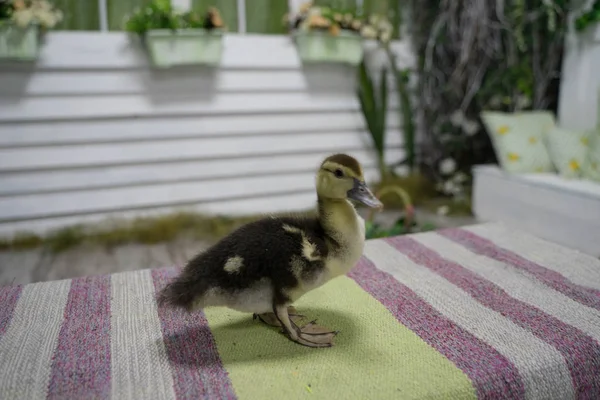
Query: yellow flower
point(513, 157)
point(585, 141)
point(502, 129)
point(533, 140)
point(574, 165)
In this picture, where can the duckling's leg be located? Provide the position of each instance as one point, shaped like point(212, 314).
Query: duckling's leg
point(271, 318)
point(311, 335)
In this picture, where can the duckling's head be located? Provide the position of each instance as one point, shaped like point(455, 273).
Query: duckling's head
point(340, 177)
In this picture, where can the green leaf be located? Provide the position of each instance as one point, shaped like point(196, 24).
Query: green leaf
point(383, 105)
point(366, 95)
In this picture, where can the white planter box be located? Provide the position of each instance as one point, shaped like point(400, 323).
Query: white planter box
point(18, 43)
point(347, 47)
point(563, 211)
point(185, 47)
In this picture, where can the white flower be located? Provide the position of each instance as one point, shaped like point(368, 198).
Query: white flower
point(314, 11)
point(457, 118)
point(447, 166)
point(459, 177)
point(38, 11)
point(47, 20)
point(23, 17)
point(522, 102)
point(368, 32)
point(385, 26)
point(305, 7)
point(470, 127)
point(385, 37)
point(443, 210)
point(446, 137)
point(496, 101)
point(449, 187)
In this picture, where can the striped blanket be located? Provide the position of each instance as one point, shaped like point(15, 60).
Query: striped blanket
point(476, 312)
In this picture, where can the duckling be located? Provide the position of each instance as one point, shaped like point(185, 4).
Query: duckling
point(265, 266)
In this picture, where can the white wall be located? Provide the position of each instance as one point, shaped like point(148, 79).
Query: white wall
point(91, 131)
point(579, 103)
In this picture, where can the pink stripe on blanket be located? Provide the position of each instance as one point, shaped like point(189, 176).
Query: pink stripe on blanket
point(9, 297)
point(579, 350)
point(479, 245)
point(493, 376)
point(198, 372)
point(81, 364)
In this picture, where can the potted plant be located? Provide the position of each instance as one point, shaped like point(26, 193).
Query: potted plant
point(176, 38)
point(21, 24)
point(324, 34)
point(406, 222)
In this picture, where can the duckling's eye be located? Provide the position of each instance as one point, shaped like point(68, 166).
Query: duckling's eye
point(338, 173)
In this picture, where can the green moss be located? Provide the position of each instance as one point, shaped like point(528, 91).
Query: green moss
point(21, 241)
point(143, 230)
point(65, 238)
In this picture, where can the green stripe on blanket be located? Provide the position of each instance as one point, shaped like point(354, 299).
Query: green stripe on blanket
point(374, 357)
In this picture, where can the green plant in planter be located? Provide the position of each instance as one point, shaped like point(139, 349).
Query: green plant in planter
point(326, 34)
point(157, 15)
point(374, 104)
point(21, 23)
point(175, 38)
point(405, 224)
point(402, 226)
point(5, 9)
point(590, 17)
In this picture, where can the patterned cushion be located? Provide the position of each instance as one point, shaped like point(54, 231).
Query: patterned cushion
point(591, 167)
point(568, 149)
point(519, 139)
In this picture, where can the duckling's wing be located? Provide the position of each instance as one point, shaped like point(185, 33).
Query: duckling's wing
point(253, 257)
point(311, 234)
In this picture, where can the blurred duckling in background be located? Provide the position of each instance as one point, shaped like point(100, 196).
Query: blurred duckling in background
point(265, 266)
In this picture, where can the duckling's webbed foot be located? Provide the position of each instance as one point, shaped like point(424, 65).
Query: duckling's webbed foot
point(271, 318)
point(310, 335)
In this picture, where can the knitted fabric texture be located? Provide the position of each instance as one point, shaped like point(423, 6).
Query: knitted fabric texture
point(479, 312)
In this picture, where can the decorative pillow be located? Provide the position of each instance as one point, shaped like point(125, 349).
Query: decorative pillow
point(568, 149)
point(519, 139)
point(591, 166)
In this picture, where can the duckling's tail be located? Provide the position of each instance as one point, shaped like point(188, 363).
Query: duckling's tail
point(183, 292)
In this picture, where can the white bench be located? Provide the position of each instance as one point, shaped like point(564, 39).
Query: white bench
point(564, 211)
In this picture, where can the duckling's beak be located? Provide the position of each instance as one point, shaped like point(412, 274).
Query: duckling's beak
point(360, 192)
